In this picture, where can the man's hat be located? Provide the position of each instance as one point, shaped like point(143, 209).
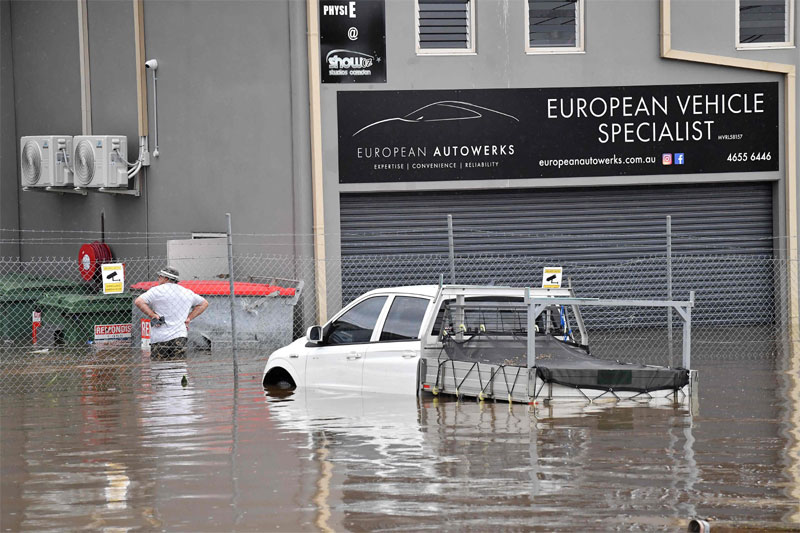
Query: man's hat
point(169, 273)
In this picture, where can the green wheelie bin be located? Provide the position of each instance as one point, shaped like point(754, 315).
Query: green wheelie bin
point(72, 317)
point(19, 296)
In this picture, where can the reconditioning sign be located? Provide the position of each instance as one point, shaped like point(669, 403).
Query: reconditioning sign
point(474, 134)
point(352, 41)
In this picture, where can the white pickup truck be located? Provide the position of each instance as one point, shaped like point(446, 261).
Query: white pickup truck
point(471, 341)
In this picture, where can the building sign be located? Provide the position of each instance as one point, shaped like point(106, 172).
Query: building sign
point(113, 278)
point(352, 39)
point(478, 134)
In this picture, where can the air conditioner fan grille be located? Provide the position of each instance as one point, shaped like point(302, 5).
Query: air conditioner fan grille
point(84, 163)
point(31, 163)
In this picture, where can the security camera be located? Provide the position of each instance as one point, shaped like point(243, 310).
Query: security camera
point(151, 64)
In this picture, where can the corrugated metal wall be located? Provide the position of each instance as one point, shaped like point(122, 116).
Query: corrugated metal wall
point(596, 231)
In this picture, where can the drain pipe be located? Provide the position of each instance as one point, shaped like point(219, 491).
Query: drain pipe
point(86, 78)
point(312, 18)
point(141, 76)
point(698, 525)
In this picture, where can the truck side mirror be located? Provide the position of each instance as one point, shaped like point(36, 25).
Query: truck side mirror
point(314, 334)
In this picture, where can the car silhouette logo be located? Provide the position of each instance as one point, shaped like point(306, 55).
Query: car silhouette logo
point(443, 111)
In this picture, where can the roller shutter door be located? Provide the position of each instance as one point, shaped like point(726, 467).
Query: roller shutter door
point(722, 241)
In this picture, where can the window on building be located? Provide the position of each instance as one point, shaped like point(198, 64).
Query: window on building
point(765, 23)
point(445, 26)
point(554, 26)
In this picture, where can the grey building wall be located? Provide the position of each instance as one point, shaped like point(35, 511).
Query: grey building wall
point(47, 101)
point(9, 221)
point(233, 130)
point(622, 47)
point(233, 103)
point(709, 26)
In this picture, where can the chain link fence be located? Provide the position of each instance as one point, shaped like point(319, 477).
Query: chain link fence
point(58, 328)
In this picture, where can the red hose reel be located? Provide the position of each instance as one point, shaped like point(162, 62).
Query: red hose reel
point(91, 256)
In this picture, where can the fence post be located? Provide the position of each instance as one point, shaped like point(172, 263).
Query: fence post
point(669, 286)
point(687, 334)
point(452, 249)
point(232, 298)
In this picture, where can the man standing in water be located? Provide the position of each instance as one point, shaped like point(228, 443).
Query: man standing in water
point(170, 308)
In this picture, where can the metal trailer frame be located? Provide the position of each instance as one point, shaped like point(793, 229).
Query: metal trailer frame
point(481, 380)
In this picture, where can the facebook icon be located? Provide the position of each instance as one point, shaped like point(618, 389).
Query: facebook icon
point(678, 159)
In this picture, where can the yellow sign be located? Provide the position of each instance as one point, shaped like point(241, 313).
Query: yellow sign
point(551, 278)
point(113, 278)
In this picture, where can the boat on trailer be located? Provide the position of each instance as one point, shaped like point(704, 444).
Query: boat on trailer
point(479, 346)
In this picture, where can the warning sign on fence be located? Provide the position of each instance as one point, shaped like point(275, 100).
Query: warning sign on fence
point(113, 278)
point(551, 278)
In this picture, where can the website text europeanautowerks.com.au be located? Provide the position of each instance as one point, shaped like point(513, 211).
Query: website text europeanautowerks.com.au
point(664, 159)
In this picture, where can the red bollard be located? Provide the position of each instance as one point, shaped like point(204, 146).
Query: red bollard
point(37, 321)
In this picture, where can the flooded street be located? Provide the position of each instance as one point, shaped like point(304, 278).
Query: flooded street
point(112, 457)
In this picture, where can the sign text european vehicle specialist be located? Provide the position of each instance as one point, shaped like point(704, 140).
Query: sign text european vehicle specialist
point(352, 41)
point(387, 136)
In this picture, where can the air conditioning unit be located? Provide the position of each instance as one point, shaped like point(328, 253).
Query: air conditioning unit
point(100, 160)
point(44, 160)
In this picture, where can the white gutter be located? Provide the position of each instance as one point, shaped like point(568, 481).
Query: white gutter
point(312, 16)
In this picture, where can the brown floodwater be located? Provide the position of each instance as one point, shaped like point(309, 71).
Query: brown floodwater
point(117, 454)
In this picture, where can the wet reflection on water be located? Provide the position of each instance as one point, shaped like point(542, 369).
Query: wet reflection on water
point(203, 458)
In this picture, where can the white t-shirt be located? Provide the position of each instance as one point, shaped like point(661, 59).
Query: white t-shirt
point(174, 303)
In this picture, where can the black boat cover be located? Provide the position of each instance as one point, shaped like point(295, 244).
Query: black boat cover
point(567, 364)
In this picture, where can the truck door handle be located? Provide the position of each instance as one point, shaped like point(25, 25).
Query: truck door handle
point(353, 356)
point(409, 355)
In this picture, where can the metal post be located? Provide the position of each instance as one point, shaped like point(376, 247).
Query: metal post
point(687, 334)
point(460, 317)
point(234, 454)
point(451, 246)
point(531, 342)
point(669, 286)
point(232, 298)
point(531, 329)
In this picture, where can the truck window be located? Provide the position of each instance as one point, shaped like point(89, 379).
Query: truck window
point(356, 325)
point(492, 320)
point(404, 319)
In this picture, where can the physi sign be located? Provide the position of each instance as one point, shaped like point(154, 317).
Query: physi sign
point(478, 134)
point(352, 41)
